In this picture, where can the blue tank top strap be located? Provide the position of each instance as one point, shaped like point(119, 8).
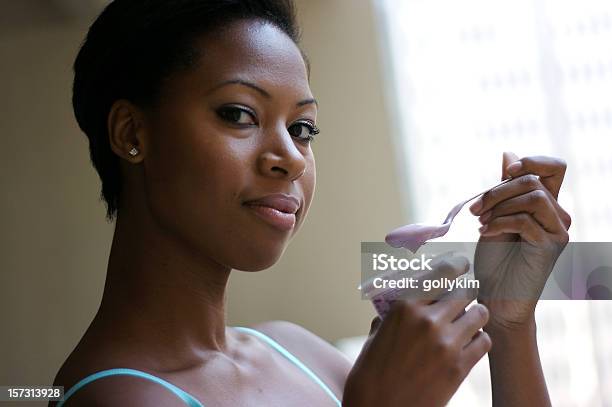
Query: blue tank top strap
point(183, 395)
point(291, 358)
point(190, 400)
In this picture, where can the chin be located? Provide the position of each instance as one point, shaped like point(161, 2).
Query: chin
point(258, 254)
point(257, 246)
point(257, 261)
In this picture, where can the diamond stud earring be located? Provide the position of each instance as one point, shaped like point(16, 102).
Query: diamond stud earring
point(134, 152)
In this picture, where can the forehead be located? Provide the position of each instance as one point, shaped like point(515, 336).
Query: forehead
point(252, 50)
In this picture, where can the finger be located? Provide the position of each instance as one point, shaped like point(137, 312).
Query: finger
point(550, 169)
point(375, 324)
point(447, 267)
point(510, 189)
point(538, 203)
point(443, 267)
point(563, 215)
point(521, 224)
point(510, 158)
point(374, 327)
point(507, 159)
point(475, 350)
point(528, 183)
point(467, 325)
point(450, 306)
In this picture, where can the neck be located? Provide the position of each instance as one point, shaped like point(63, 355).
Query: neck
point(161, 297)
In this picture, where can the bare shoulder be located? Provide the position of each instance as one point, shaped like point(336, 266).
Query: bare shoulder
point(123, 391)
point(331, 365)
point(114, 390)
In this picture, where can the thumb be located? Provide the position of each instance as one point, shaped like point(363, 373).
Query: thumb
point(508, 158)
point(375, 323)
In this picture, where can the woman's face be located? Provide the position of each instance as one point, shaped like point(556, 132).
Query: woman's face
point(233, 130)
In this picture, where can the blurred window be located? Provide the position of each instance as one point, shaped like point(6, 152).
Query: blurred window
point(470, 79)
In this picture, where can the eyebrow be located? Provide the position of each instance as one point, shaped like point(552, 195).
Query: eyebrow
point(263, 92)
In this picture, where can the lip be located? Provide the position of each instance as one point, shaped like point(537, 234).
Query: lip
point(278, 210)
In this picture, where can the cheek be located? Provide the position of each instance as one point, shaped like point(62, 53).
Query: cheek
point(309, 184)
point(312, 177)
point(193, 178)
point(190, 154)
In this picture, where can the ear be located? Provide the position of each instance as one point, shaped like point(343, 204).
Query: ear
point(126, 130)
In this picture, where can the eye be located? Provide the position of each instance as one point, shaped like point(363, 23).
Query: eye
point(237, 115)
point(303, 130)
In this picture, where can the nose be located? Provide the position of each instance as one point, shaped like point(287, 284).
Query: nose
point(280, 157)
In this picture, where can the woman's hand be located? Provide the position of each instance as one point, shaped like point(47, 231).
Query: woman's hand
point(420, 353)
point(524, 232)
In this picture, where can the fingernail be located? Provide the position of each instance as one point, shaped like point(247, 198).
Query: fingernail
point(514, 167)
point(476, 206)
point(483, 229)
point(485, 217)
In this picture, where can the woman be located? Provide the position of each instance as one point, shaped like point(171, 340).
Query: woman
point(200, 117)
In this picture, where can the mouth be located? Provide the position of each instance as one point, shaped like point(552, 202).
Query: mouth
point(277, 210)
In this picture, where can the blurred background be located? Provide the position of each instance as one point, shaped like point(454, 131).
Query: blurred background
point(418, 100)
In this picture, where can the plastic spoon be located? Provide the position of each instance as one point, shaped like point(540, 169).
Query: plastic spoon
point(415, 235)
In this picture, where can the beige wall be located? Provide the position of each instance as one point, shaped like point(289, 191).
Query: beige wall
point(55, 242)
